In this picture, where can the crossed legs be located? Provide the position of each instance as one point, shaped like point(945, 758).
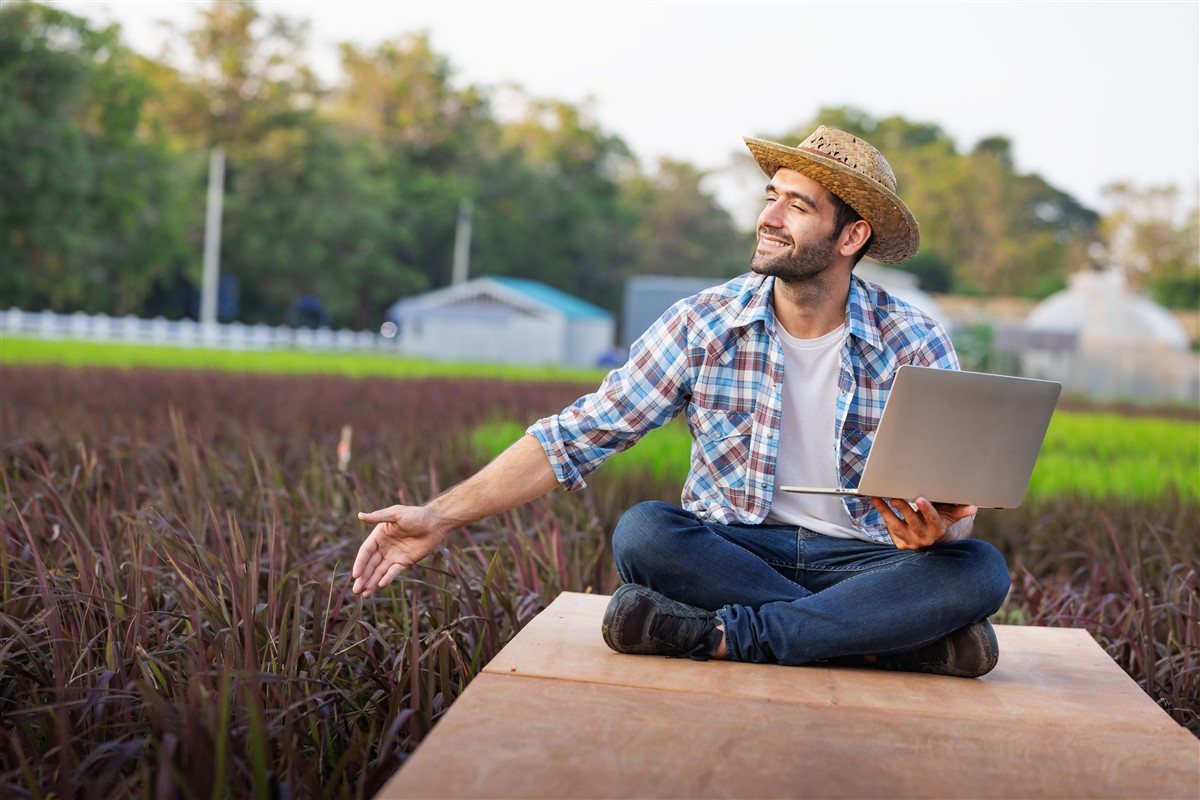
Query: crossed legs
point(790, 596)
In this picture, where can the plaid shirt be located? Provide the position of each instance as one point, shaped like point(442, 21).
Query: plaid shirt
point(715, 357)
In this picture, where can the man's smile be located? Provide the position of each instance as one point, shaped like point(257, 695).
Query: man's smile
point(771, 241)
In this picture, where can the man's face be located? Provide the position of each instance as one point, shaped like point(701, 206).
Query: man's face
point(796, 239)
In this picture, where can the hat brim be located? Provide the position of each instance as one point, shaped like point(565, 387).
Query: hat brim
point(897, 236)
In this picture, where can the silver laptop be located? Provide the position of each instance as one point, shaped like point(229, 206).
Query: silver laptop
point(955, 437)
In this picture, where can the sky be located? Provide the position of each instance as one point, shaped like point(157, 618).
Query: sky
point(1090, 93)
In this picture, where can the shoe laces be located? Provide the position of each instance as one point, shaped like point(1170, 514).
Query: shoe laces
point(705, 644)
point(697, 653)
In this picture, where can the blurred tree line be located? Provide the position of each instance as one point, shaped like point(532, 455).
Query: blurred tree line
point(349, 193)
point(986, 229)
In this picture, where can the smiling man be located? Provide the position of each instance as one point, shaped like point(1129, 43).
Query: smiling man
point(782, 375)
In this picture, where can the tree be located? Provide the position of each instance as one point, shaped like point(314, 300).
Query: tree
point(426, 137)
point(88, 196)
point(316, 217)
point(401, 95)
point(999, 231)
point(550, 203)
point(1156, 245)
point(680, 228)
point(249, 75)
point(249, 90)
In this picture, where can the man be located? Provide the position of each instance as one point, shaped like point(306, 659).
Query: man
point(782, 374)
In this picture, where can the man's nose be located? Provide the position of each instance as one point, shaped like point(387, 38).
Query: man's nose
point(772, 214)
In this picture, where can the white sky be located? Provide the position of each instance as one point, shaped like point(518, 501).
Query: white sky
point(1089, 92)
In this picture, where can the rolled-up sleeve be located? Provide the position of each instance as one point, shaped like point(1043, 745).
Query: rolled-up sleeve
point(648, 391)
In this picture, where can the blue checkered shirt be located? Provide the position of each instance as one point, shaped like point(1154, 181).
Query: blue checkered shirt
point(715, 357)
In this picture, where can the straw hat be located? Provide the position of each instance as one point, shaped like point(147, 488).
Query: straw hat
point(859, 174)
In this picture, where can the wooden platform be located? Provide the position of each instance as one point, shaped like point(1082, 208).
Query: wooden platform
point(558, 715)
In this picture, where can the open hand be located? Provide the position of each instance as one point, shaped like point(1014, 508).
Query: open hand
point(912, 529)
point(403, 535)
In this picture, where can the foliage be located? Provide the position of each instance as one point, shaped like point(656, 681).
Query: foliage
point(1127, 572)
point(681, 231)
point(174, 550)
point(1100, 456)
point(1158, 247)
point(999, 231)
point(350, 192)
point(175, 587)
point(91, 215)
point(250, 76)
point(347, 193)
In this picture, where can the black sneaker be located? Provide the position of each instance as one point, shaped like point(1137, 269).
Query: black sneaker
point(642, 621)
point(967, 653)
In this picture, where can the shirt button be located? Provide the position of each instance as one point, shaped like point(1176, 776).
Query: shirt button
point(763, 484)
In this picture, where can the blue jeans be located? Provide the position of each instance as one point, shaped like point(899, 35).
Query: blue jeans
point(787, 595)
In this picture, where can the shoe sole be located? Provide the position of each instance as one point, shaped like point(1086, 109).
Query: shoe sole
point(610, 615)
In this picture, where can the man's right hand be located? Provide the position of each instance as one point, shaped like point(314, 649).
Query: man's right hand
point(403, 535)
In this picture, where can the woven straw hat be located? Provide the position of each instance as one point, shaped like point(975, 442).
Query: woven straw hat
point(859, 174)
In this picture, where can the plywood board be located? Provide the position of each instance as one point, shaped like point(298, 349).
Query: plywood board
point(1057, 674)
point(540, 738)
point(557, 714)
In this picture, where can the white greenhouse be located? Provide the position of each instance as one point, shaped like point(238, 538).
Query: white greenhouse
point(1127, 346)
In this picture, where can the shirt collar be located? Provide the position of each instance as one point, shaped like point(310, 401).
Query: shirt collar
point(756, 306)
point(754, 302)
point(860, 318)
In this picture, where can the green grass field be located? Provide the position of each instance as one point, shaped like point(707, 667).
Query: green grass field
point(1086, 456)
point(18, 351)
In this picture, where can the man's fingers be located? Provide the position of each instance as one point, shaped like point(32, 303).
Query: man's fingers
point(381, 575)
point(902, 511)
point(932, 518)
point(890, 518)
point(382, 515)
point(364, 554)
point(364, 571)
point(391, 573)
point(372, 564)
point(895, 524)
point(955, 513)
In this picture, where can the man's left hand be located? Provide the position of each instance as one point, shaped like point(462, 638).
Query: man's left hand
point(912, 529)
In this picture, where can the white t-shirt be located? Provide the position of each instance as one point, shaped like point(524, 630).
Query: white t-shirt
point(807, 436)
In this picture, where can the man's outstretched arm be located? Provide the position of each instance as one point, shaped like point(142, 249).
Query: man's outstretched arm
point(403, 535)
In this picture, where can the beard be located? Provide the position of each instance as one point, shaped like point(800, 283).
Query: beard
point(802, 263)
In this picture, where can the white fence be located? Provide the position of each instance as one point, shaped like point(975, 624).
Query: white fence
point(184, 333)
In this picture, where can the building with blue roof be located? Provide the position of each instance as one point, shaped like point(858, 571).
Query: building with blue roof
point(503, 320)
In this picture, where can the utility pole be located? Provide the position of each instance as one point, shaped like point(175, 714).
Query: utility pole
point(462, 244)
point(212, 238)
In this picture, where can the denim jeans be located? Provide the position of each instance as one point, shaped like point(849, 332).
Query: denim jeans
point(787, 595)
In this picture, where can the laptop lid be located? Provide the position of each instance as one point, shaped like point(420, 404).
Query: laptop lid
point(956, 437)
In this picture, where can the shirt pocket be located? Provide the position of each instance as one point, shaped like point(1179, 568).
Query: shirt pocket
point(724, 440)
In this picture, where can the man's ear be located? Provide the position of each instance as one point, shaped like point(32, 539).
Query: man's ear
point(854, 236)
